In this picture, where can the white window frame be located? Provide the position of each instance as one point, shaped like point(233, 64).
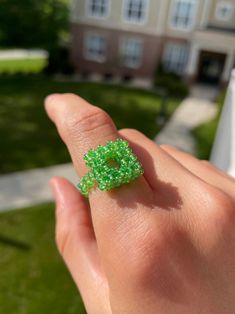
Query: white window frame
point(219, 6)
point(181, 51)
point(123, 46)
point(87, 54)
point(142, 21)
point(193, 17)
point(90, 14)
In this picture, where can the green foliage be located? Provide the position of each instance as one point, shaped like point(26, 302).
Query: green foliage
point(59, 61)
point(205, 133)
point(28, 139)
point(170, 82)
point(32, 23)
point(33, 277)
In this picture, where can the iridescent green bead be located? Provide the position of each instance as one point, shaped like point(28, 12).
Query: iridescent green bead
point(111, 166)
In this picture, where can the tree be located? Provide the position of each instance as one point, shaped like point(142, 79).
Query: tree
point(32, 23)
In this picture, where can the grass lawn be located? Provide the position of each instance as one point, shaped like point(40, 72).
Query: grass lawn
point(205, 133)
point(28, 139)
point(22, 65)
point(33, 278)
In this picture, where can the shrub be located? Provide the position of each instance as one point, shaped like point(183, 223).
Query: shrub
point(170, 82)
point(59, 62)
point(205, 133)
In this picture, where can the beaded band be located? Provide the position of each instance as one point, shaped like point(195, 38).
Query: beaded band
point(112, 165)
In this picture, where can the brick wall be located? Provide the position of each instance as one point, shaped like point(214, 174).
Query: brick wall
point(152, 51)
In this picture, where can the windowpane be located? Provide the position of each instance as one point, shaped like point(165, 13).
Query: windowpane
point(131, 52)
point(98, 8)
point(95, 48)
point(224, 10)
point(183, 13)
point(135, 10)
point(175, 58)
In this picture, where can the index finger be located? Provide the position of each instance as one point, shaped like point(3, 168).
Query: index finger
point(82, 127)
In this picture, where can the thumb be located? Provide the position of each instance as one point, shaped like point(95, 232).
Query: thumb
point(77, 244)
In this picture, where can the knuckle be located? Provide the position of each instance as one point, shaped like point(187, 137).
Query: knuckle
point(220, 200)
point(86, 121)
point(153, 251)
point(222, 211)
point(225, 214)
point(207, 195)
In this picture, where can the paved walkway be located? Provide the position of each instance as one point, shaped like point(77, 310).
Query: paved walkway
point(195, 110)
point(22, 54)
point(23, 189)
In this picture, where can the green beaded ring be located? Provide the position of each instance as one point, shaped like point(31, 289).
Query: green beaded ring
point(111, 166)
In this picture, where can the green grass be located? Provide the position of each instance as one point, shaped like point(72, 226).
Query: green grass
point(205, 133)
point(28, 139)
point(22, 65)
point(33, 278)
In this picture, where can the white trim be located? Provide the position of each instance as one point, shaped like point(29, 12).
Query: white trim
point(193, 59)
point(205, 13)
point(219, 6)
point(124, 41)
point(229, 63)
point(86, 54)
point(90, 15)
point(161, 16)
point(223, 151)
point(193, 22)
point(141, 22)
point(130, 28)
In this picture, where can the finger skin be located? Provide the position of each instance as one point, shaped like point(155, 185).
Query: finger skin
point(73, 221)
point(77, 245)
point(170, 179)
point(159, 164)
point(203, 170)
point(81, 126)
point(158, 258)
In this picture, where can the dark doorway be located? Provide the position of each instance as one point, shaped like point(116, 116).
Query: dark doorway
point(210, 67)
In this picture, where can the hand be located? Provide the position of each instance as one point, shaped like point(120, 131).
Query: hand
point(164, 243)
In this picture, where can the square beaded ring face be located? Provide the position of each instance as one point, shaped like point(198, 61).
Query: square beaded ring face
point(111, 166)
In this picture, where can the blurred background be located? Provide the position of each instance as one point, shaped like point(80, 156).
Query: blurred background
point(160, 66)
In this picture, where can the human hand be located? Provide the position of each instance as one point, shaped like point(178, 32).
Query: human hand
point(164, 243)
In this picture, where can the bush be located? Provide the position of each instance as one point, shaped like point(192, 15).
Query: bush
point(59, 62)
point(170, 82)
point(205, 133)
point(108, 76)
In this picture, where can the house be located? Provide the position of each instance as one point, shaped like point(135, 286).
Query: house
point(129, 38)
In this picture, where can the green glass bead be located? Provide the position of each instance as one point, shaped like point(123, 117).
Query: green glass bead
point(111, 166)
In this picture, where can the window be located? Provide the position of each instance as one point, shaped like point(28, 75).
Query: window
point(131, 52)
point(135, 11)
point(183, 14)
point(98, 8)
point(224, 11)
point(95, 47)
point(175, 58)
